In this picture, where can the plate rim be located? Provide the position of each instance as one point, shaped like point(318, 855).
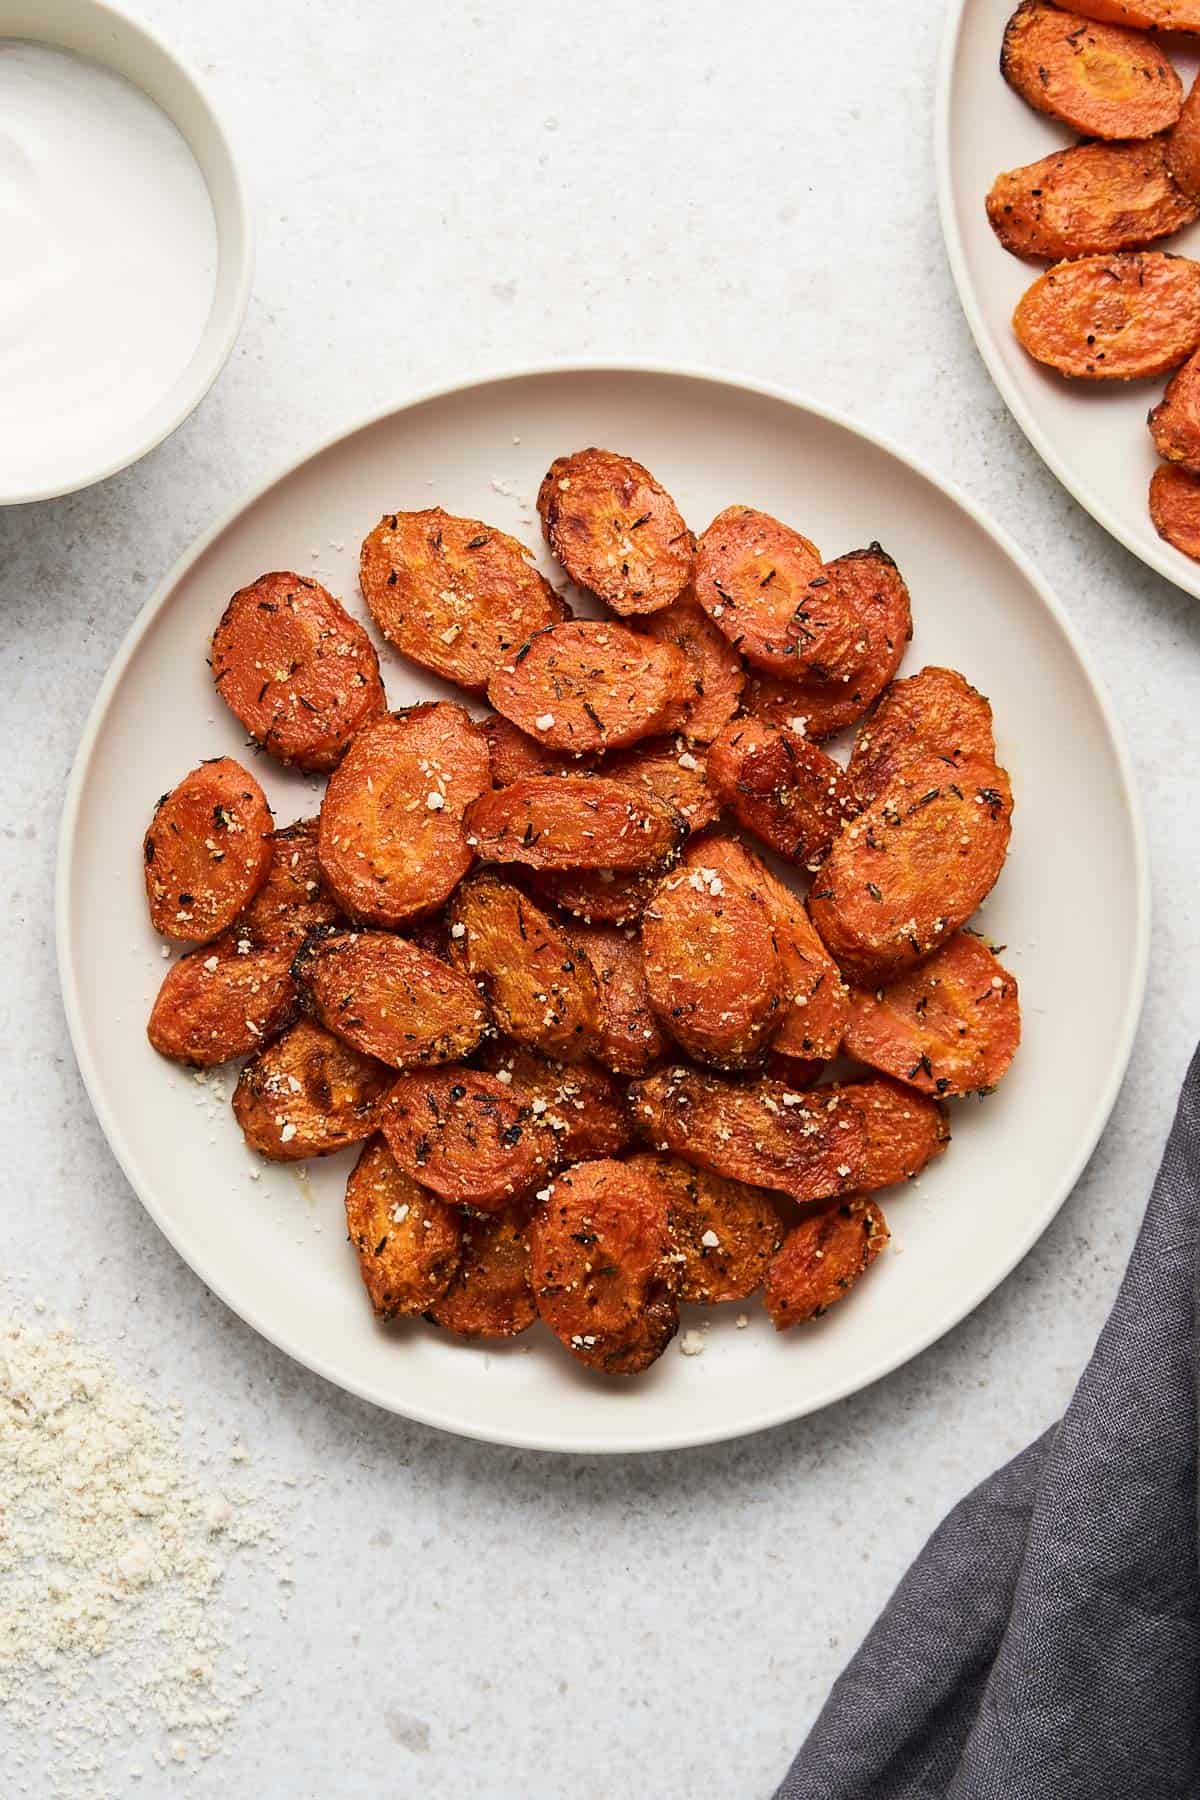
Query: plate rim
point(1162, 557)
point(582, 1443)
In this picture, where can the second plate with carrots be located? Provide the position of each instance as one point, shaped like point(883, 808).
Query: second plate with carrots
point(1069, 166)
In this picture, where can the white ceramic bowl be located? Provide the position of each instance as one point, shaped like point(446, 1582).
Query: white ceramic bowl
point(1072, 901)
point(90, 28)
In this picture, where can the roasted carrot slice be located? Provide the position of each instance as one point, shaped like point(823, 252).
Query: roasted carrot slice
point(815, 999)
point(753, 576)
point(293, 898)
point(308, 1094)
point(631, 1039)
point(598, 896)
point(773, 701)
point(1089, 200)
point(1113, 318)
point(951, 1026)
point(821, 1260)
point(1102, 80)
point(589, 685)
point(207, 851)
point(603, 1274)
point(470, 1137)
point(825, 623)
point(580, 1102)
point(491, 1294)
point(811, 1143)
point(715, 676)
point(388, 997)
point(574, 822)
point(616, 530)
point(933, 713)
point(819, 709)
point(296, 669)
point(409, 1243)
point(796, 1071)
point(1175, 421)
point(431, 934)
point(1175, 507)
point(674, 770)
point(1146, 15)
point(391, 839)
point(1183, 143)
point(712, 966)
point(513, 754)
point(782, 788)
point(837, 626)
point(723, 1232)
point(455, 595)
point(222, 1001)
point(540, 987)
point(905, 875)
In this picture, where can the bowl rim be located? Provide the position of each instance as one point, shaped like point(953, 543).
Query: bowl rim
point(232, 215)
point(974, 1295)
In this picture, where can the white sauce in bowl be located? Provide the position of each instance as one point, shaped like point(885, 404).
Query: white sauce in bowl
point(108, 264)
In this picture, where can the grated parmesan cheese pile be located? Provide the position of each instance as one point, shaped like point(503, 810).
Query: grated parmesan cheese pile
point(115, 1647)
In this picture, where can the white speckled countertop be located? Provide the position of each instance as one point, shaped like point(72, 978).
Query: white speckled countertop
point(444, 189)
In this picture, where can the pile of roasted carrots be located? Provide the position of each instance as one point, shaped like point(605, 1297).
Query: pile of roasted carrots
point(1109, 310)
point(509, 947)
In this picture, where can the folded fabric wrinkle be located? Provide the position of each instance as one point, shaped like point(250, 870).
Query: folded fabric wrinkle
point(1045, 1645)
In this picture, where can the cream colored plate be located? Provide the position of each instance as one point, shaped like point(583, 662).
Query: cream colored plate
point(1071, 905)
point(1092, 435)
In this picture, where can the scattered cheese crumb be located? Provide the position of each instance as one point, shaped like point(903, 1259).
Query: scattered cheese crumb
point(113, 1622)
point(217, 1512)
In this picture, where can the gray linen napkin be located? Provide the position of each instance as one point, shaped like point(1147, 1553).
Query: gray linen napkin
point(1045, 1645)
